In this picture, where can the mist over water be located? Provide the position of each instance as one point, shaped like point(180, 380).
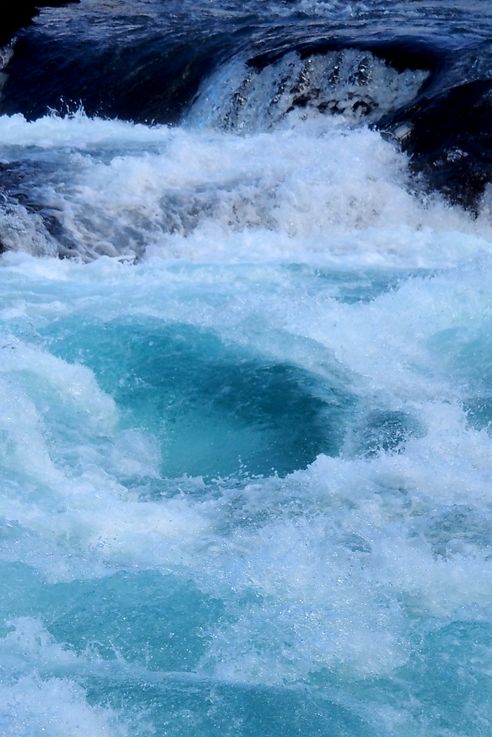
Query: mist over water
point(245, 398)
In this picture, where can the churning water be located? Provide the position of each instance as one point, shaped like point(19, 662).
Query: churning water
point(245, 421)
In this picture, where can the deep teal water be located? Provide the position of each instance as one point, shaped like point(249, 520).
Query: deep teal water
point(246, 469)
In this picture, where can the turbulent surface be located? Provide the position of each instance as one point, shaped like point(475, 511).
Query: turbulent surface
point(419, 71)
point(245, 419)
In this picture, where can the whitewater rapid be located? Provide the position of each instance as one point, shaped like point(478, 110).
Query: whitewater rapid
point(315, 189)
point(245, 446)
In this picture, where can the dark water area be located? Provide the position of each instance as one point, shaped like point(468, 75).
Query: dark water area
point(146, 61)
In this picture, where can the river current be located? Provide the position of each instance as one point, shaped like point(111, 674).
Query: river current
point(245, 383)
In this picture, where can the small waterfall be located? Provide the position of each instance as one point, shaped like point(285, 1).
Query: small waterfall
point(351, 83)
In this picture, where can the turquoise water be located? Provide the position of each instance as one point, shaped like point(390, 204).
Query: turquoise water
point(218, 409)
point(246, 476)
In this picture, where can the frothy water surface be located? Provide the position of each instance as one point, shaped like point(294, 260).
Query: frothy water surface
point(244, 434)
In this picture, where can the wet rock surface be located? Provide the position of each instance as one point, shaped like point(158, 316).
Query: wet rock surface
point(449, 139)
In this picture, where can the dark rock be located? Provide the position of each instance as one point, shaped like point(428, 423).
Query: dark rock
point(449, 139)
point(447, 128)
point(401, 53)
point(21, 14)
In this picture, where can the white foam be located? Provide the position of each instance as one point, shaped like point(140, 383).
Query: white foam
point(339, 557)
point(57, 427)
point(75, 131)
point(34, 703)
point(314, 191)
point(58, 707)
point(339, 579)
point(331, 567)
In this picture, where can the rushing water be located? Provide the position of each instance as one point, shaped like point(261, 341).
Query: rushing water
point(245, 438)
